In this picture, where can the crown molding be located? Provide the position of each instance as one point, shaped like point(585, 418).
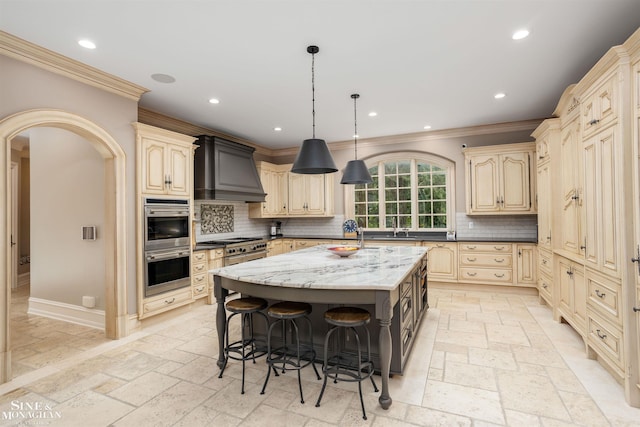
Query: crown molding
point(153, 118)
point(433, 135)
point(25, 51)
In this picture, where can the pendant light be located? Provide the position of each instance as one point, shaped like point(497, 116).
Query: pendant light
point(356, 171)
point(314, 156)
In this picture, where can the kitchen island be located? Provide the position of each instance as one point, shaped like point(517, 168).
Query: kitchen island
point(391, 279)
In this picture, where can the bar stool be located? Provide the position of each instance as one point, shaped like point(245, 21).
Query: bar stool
point(345, 368)
point(246, 307)
point(293, 356)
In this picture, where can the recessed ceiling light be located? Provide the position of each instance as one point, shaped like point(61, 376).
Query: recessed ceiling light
point(355, 136)
point(87, 44)
point(277, 128)
point(163, 78)
point(520, 34)
point(214, 101)
point(427, 127)
point(499, 95)
point(373, 114)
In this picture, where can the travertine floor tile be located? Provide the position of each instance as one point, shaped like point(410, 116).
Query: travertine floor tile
point(531, 394)
point(492, 358)
point(143, 388)
point(467, 401)
point(470, 375)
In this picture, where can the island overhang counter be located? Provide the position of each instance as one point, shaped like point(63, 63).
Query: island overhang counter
point(392, 279)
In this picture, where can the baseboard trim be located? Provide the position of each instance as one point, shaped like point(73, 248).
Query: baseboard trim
point(67, 312)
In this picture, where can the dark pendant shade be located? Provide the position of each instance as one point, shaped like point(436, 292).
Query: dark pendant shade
point(314, 158)
point(356, 172)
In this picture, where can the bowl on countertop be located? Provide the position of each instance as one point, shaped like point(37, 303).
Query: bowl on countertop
point(343, 251)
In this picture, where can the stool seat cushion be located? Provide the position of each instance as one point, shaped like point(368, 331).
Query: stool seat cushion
point(347, 316)
point(246, 305)
point(289, 309)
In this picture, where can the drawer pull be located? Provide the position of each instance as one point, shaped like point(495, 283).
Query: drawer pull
point(471, 259)
point(499, 248)
point(170, 301)
point(499, 260)
point(593, 122)
point(498, 275)
point(471, 274)
point(544, 261)
point(200, 289)
point(636, 309)
point(601, 336)
point(471, 247)
point(544, 285)
point(600, 294)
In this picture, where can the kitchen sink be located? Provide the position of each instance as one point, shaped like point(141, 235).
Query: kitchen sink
point(390, 238)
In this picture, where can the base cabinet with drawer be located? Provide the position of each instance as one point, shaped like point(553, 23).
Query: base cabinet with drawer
point(442, 265)
point(572, 303)
point(199, 281)
point(486, 263)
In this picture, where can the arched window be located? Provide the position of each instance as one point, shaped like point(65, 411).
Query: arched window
point(414, 191)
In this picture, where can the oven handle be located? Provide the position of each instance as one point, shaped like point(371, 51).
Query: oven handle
point(166, 213)
point(167, 255)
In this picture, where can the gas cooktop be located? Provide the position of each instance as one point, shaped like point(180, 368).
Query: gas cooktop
point(230, 241)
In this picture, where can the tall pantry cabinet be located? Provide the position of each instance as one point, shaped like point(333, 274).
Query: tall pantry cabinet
point(594, 212)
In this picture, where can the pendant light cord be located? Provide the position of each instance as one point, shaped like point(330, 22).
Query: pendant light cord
point(355, 125)
point(313, 94)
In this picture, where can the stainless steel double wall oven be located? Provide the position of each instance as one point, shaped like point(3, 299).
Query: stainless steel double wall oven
point(167, 240)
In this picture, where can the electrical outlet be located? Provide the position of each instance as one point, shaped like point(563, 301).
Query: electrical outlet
point(471, 225)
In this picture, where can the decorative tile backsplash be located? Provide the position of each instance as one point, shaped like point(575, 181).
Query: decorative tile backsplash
point(216, 219)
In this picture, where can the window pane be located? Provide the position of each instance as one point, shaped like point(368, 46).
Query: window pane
point(424, 207)
point(404, 181)
point(424, 167)
point(404, 194)
point(391, 181)
point(424, 180)
point(425, 222)
point(391, 208)
point(439, 221)
point(439, 179)
point(390, 168)
point(439, 193)
point(361, 209)
point(373, 222)
point(360, 196)
point(404, 208)
point(424, 194)
point(404, 167)
point(391, 195)
point(361, 221)
point(373, 209)
point(373, 184)
point(405, 222)
point(389, 221)
point(372, 195)
point(439, 207)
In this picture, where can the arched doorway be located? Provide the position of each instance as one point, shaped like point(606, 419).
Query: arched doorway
point(115, 218)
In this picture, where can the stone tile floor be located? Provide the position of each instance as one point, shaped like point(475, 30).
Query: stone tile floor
point(480, 359)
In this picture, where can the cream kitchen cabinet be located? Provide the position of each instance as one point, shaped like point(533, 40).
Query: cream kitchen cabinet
point(526, 265)
point(547, 136)
point(275, 182)
point(485, 263)
point(308, 243)
point(307, 194)
point(199, 281)
point(293, 195)
point(165, 161)
point(274, 247)
point(571, 185)
point(442, 264)
point(572, 303)
point(500, 179)
point(215, 259)
point(600, 106)
point(544, 278)
point(601, 199)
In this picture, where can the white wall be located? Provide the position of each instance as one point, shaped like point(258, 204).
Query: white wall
point(67, 192)
point(24, 87)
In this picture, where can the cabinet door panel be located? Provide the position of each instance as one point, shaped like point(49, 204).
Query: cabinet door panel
point(153, 171)
point(591, 200)
point(570, 187)
point(515, 180)
point(315, 194)
point(297, 193)
point(179, 170)
point(608, 231)
point(485, 191)
point(544, 205)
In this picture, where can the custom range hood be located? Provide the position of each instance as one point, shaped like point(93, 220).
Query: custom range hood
point(225, 170)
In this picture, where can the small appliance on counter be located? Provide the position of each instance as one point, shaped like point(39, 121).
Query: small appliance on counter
point(276, 229)
point(350, 229)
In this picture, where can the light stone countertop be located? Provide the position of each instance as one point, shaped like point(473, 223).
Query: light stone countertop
point(379, 268)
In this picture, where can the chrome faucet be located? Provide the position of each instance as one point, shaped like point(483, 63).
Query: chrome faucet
point(406, 232)
point(395, 228)
point(360, 237)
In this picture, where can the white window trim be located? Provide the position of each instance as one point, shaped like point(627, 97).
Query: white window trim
point(414, 156)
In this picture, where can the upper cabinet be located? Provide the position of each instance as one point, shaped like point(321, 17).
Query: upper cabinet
point(547, 136)
point(165, 161)
point(500, 179)
point(293, 195)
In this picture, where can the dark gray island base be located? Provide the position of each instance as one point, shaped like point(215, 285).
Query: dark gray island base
point(390, 282)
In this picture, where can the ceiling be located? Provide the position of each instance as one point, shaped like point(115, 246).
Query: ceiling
point(415, 63)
